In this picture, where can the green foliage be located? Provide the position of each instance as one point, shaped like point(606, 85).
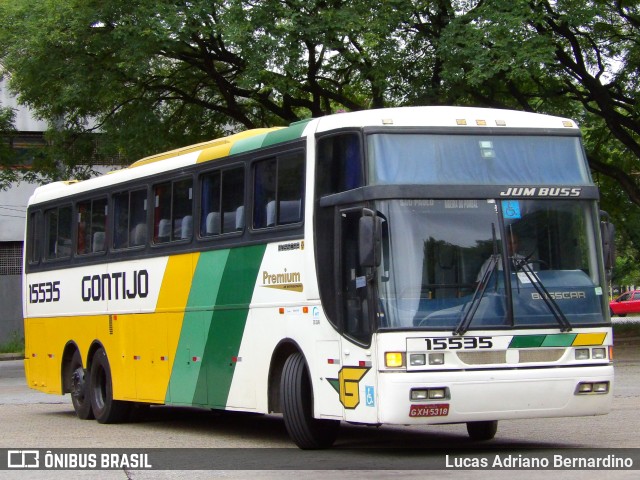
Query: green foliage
point(150, 76)
point(7, 156)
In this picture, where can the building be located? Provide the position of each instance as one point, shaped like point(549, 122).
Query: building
point(13, 206)
point(29, 135)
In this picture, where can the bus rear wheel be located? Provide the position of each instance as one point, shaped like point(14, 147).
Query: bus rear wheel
point(80, 389)
point(480, 431)
point(105, 408)
point(297, 407)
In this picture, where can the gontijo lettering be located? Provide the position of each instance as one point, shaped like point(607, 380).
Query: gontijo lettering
point(115, 286)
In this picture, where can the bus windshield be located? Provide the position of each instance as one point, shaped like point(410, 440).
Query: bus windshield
point(396, 158)
point(526, 262)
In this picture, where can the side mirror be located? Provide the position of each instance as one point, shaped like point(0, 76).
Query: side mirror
point(369, 241)
point(608, 234)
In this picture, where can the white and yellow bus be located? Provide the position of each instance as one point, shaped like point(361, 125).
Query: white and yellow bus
point(408, 266)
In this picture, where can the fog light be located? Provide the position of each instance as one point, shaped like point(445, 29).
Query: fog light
point(417, 359)
point(598, 353)
point(436, 359)
point(437, 393)
point(601, 387)
point(394, 359)
point(585, 387)
point(582, 354)
point(417, 394)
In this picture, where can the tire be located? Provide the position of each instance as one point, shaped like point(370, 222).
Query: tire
point(481, 431)
point(79, 388)
point(105, 408)
point(297, 408)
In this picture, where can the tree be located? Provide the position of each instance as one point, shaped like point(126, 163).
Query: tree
point(7, 158)
point(156, 75)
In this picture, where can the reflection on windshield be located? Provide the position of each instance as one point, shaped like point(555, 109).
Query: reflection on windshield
point(468, 159)
point(438, 252)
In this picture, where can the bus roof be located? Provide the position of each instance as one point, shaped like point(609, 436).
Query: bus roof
point(461, 117)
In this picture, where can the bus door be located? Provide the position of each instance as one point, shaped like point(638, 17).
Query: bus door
point(356, 296)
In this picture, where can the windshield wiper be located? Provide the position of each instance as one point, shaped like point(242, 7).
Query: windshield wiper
point(524, 266)
point(478, 293)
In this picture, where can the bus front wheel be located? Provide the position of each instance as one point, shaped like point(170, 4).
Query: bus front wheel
point(297, 407)
point(482, 430)
point(105, 408)
point(80, 388)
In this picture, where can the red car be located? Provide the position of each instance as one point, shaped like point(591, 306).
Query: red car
point(628, 302)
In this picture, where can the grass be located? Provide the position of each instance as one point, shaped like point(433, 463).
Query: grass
point(14, 345)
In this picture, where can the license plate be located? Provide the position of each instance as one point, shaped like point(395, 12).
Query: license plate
point(438, 410)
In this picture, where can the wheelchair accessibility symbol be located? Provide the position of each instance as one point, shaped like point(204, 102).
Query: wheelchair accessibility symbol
point(511, 209)
point(370, 396)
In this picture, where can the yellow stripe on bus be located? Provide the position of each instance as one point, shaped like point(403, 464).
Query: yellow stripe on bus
point(157, 334)
point(222, 150)
point(584, 339)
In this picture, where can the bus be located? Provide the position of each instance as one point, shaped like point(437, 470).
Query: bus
point(407, 266)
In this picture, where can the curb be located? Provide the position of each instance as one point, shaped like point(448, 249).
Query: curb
point(11, 356)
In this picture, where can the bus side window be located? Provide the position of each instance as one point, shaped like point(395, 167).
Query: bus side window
point(34, 238)
point(232, 200)
point(58, 232)
point(338, 169)
point(83, 239)
point(210, 205)
point(121, 220)
point(172, 215)
point(222, 202)
point(182, 209)
point(138, 218)
point(278, 191)
point(99, 212)
point(130, 219)
point(91, 226)
point(162, 213)
point(264, 191)
point(339, 164)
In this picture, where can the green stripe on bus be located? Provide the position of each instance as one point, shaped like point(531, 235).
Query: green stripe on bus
point(247, 144)
point(559, 340)
point(272, 138)
point(184, 385)
point(527, 341)
point(534, 341)
point(286, 134)
point(213, 326)
point(228, 322)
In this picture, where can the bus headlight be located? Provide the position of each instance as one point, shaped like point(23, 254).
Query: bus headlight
point(436, 359)
point(599, 353)
point(417, 359)
point(582, 354)
point(586, 388)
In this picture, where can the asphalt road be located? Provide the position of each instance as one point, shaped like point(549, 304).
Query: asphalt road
point(29, 419)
